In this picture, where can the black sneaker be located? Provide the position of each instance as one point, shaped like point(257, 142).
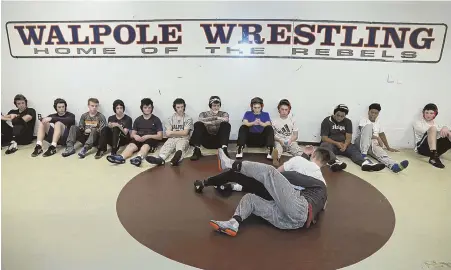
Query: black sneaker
point(155, 160)
point(37, 151)
point(11, 148)
point(113, 152)
point(198, 186)
point(369, 166)
point(99, 154)
point(136, 161)
point(50, 152)
point(436, 162)
point(239, 152)
point(177, 158)
point(197, 154)
point(152, 149)
point(225, 190)
point(337, 165)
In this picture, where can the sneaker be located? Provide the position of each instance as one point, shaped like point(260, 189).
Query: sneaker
point(68, 152)
point(11, 148)
point(116, 159)
point(225, 151)
point(269, 155)
point(99, 154)
point(50, 152)
point(196, 154)
point(397, 167)
point(369, 166)
point(155, 160)
point(152, 149)
point(404, 164)
point(226, 227)
point(198, 186)
point(177, 158)
point(83, 152)
point(136, 161)
point(37, 151)
point(436, 162)
point(224, 162)
point(113, 152)
point(239, 152)
point(275, 158)
point(337, 165)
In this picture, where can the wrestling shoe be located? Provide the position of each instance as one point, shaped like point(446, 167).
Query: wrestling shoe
point(337, 165)
point(83, 152)
point(11, 148)
point(369, 166)
point(224, 162)
point(50, 151)
point(239, 152)
point(177, 158)
point(68, 152)
point(155, 160)
point(136, 161)
point(116, 159)
point(197, 154)
point(436, 162)
point(396, 168)
point(37, 150)
point(229, 227)
point(99, 154)
point(198, 186)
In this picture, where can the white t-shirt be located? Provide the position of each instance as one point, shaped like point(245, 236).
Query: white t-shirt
point(304, 166)
point(284, 128)
point(420, 127)
point(377, 128)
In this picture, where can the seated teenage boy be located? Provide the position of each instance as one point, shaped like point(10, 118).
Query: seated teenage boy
point(431, 138)
point(212, 131)
point(371, 138)
point(290, 209)
point(178, 130)
point(147, 133)
point(336, 135)
point(117, 132)
point(23, 120)
point(285, 133)
point(54, 129)
point(256, 129)
point(87, 132)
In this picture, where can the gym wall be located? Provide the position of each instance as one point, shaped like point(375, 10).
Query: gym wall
point(313, 82)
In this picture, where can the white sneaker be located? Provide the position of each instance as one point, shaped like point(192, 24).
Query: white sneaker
point(239, 152)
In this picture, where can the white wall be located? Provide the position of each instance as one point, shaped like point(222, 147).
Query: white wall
point(354, 83)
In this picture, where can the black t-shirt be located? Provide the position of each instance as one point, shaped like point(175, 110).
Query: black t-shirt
point(29, 126)
point(149, 126)
point(125, 122)
point(68, 119)
point(336, 130)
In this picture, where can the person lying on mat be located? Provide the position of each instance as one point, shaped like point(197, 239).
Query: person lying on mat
point(290, 208)
point(228, 180)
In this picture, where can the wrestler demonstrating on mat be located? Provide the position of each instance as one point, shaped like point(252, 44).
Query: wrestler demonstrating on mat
point(290, 208)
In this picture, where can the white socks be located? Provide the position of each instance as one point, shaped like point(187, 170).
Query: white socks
point(224, 146)
point(39, 143)
point(54, 144)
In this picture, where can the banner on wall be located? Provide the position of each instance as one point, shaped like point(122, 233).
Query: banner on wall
point(229, 38)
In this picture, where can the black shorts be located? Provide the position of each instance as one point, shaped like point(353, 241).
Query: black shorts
point(422, 147)
point(150, 142)
point(63, 138)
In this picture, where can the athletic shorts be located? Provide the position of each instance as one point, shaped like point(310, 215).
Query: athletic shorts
point(63, 138)
point(150, 142)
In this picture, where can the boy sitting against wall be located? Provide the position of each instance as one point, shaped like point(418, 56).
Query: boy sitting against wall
point(178, 129)
point(87, 132)
point(371, 138)
point(256, 129)
point(146, 134)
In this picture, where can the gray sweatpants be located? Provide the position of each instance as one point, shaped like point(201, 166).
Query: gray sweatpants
point(289, 210)
point(172, 145)
point(75, 135)
point(371, 147)
point(293, 148)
